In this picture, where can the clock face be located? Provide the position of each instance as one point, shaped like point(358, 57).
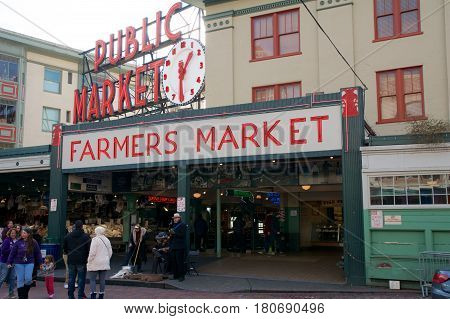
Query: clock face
point(184, 71)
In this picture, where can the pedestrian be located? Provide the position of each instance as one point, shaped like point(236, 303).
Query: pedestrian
point(200, 230)
point(99, 262)
point(38, 239)
point(8, 275)
point(48, 271)
point(177, 247)
point(136, 249)
point(76, 247)
point(23, 256)
point(239, 234)
point(5, 230)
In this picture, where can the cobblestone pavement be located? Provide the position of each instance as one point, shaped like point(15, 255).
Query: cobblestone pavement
point(120, 292)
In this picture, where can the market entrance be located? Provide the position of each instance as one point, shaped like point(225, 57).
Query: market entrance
point(266, 215)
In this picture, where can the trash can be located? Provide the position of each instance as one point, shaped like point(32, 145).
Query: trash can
point(51, 249)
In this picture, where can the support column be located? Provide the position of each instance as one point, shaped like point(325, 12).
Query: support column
point(218, 224)
point(126, 217)
point(352, 140)
point(58, 192)
point(184, 190)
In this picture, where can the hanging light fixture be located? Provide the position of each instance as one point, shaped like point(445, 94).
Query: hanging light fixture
point(258, 196)
point(306, 187)
point(197, 195)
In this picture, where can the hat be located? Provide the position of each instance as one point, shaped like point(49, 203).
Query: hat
point(78, 224)
point(137, 226)
point(176, 215)
point(161, 235)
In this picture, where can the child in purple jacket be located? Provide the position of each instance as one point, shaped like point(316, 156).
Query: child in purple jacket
point(24, 254)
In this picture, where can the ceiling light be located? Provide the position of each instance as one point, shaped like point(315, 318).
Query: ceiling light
point(165, 208)
point(258, 196)
point(221, 164)
point(32, 179)
point(274, 161)
point(197, 195)
point(221, 194)
point(204, 193)
point(331, 157)
point(306, 187)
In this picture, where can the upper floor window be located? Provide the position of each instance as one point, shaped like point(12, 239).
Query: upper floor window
point(9, 68)
point(277, 92)
point(276, 35)
point(52, 81)
point(50, 116)
point(400, 95)
point(7, 112)
point(396, 18)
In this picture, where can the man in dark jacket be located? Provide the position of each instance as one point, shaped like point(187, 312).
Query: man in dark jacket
point(76, 246)
point(201, 230)
point(177, 247)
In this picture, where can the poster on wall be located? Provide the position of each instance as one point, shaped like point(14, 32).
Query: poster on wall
point(376, 219)
point(181, 204)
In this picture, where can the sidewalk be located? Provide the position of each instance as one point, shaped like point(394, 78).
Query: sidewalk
point(234, 284)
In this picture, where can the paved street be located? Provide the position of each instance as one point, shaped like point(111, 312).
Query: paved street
point(121, 292)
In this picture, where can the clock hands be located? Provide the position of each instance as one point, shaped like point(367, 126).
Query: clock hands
point(182, 66)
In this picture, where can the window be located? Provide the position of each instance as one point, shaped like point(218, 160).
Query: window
point(7, 112)
point(69, 78)
point(410, 190)
point(9, 68)
point(276, 35)
point(277, 92)
point(396, 18)
point(400, 95)
point(50, 116)
point(68, 117)
point(52, 81)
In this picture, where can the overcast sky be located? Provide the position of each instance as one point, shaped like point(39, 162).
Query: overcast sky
point(78, 23)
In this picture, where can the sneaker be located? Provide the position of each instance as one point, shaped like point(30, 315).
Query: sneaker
point(13, 296)
point(51, 296)
point(66, 286)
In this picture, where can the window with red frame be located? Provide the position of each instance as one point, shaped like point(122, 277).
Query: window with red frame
point(396, 18)
point(276, 35)
point(400, 95)
point(277, 92)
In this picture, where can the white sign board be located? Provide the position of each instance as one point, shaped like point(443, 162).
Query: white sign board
point(393, 220)
point(376, 219)
point(181, 204)
point(53, 204)
point(284, 132)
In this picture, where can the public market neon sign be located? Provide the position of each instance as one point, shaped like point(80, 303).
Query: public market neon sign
point(89, 107)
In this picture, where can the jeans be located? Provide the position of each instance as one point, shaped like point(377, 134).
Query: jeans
point(24, 273)
point(101, 278)
point(7, 275)
point(177, 259)
point(74, 271)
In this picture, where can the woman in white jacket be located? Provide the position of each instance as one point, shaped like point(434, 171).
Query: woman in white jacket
point(98, 261)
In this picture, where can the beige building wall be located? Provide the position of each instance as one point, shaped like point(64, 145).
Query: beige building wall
point(36, 98)
point(351, 26)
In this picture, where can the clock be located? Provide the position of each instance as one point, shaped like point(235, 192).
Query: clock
point(184, 71)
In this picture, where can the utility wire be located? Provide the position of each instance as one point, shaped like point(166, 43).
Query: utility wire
point(334, 45)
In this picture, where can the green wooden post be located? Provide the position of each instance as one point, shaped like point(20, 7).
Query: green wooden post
point(58, 192)
point(126, 216)
point(184, 190)
point(353, 139)
point(218, 224)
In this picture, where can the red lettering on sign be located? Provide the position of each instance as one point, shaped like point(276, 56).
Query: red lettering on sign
point(228, 137)
point(155, 66)
point(211, 134)
point(102, 149)
point(171, 142)
point(130, 41)
point(79, 105)
point(268, 134)
point(294, 131)
point(146, 45)
point(87, 150)
point(169, 34)
point(72, 149)
point(108, 95)
point(139, 88)
point(135, 145)
point(99, 54)
point(319, 120)
point(153, 146)
point(113, 60)
point(158, 29)
point(118, 146)
point(250, 138)
point(94, 104)
point(124, 91)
